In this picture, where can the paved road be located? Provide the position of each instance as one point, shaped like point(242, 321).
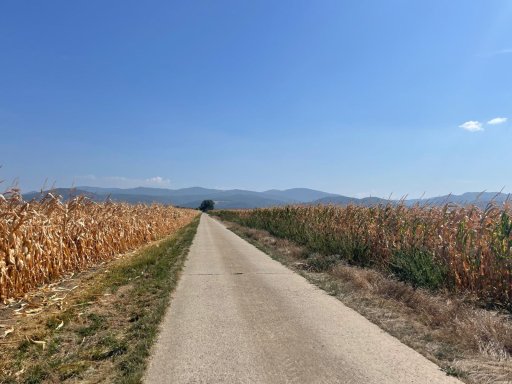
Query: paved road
point(237, 316)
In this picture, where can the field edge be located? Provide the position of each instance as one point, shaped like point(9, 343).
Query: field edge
point(107, 329)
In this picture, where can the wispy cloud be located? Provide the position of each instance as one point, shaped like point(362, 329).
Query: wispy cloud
point(497, 120)
point(121, 181)
point(158, 180)
point(472, 126)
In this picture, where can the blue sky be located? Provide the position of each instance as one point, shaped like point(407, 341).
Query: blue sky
point(356, 97)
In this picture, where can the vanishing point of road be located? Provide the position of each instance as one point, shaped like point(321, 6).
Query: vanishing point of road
point(237, 316)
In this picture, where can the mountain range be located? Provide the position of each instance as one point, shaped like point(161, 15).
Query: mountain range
point(238, 198)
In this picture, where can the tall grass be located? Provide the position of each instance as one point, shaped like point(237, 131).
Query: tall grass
point(465, 249)
point(42, 240)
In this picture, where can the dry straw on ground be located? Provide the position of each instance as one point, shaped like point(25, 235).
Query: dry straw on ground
point(42, 240)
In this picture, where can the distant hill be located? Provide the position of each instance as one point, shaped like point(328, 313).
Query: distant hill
point(476, 198)
point(146, 191)
point(241, 201)
point(481, 199)
point(345, 200)
point(303, 195)
point(239, 198)
point(65, 193)
point(189, 197)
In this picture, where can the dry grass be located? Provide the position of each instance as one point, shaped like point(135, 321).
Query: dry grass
point(42, 240)
point(449, 329)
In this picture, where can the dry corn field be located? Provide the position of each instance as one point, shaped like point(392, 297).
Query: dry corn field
point(463, 249)
point(42, 240)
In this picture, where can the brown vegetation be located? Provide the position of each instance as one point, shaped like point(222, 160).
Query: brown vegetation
point(94, 326)
point(462, 249)
point(42, 240)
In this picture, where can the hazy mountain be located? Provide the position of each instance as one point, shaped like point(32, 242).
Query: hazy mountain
point(476, 198)
point(303, 195)
point(186, 197)
point(238, 202)
point(481, 199)
point(238, 198)
point(65, 193)
point(146, 191)
point(345, 200)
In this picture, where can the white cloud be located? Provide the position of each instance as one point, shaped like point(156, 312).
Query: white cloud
point(472, 126)
point(158, 180)
point(497, 120)
point(121, 181)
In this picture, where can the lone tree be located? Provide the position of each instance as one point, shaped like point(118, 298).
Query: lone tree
point(207, 205)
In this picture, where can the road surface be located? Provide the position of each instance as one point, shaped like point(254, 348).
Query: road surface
point(237, 316)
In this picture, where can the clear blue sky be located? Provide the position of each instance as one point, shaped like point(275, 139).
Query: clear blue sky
point(356, 97)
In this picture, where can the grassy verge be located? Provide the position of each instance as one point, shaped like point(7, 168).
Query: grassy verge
point(106, 330)
point(471, 343)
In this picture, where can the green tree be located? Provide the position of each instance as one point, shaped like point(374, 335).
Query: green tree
point(207, 205)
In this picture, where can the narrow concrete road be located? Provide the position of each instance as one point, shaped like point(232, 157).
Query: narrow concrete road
point(238, 316)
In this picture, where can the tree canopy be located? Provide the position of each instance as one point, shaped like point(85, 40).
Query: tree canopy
point(207, 205)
